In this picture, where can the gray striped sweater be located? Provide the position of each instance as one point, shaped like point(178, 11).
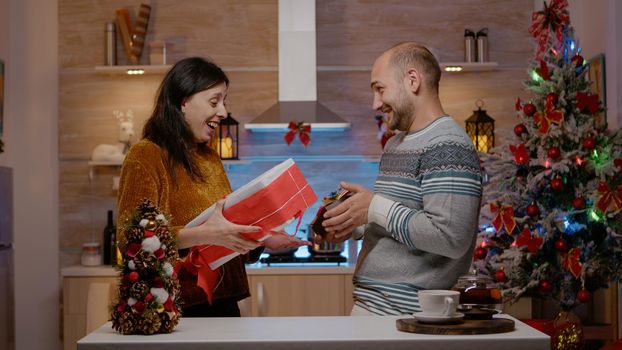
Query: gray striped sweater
point(422, 219)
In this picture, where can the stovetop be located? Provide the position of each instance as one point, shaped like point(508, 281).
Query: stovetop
point(284, 259)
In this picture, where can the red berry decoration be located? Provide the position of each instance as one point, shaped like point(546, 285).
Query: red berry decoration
point(529, 109)
point(533, 210)
point(583, 296)
point(500, 276)
point(577, 60)
point(557, 184)
point(578, 203)
point(552, 98)
point(553, 152)
point(480, 253)
point(544, 286)
point(561, 245)
point(133, 276)
point(589, 143)
point(520, 129)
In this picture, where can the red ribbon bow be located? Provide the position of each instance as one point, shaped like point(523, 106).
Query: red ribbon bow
point(609, 197)
point(525, 238)
point(198, 264)
point(301, 129)
point(544, 71)
point(521, 157)
point(548, 116)
point(504, 217)
point(589, 101)
point(571, 261)
point(553, 17)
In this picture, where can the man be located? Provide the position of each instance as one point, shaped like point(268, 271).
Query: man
point(421, 219)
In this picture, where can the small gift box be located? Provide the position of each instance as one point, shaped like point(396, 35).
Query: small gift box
point(330, 201)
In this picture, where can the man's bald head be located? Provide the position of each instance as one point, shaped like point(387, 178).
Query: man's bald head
point(412, 55)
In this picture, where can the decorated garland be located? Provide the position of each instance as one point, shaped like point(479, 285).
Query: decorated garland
point(148, 287)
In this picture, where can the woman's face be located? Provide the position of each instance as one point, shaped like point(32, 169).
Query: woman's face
point(204, 110)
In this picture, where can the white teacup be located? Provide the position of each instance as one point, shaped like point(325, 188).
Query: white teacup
point(437, 302)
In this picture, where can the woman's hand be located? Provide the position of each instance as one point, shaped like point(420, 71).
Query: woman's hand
point(281, 241)
point(217, 230)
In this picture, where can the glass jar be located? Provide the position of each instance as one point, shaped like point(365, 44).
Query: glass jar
point(478, 290)
point(91, 254)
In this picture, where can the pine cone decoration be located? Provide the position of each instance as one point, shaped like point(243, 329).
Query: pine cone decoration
point(124, 323)
point(169, 321)
point(150, 322)
point(134, 235)
point(139, 290)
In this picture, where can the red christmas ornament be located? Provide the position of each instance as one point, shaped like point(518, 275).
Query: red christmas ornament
point(148, 297)
point(589, 143)
point(578, 203)
point(500, 276)
point(552, 98)
point(553, 152)
point(533, 210)
point(133, 276)
point(561, 245)
point(577, 60)
point(557, 184)
point(544, 286)
point(529, 109)
point(480, 253)
point(520, 129)
point(583, 296)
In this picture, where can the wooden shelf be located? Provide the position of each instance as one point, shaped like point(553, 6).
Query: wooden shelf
point(460, 67)
point(132, 70)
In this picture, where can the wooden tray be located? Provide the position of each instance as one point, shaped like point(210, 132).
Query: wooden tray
point(496, 325)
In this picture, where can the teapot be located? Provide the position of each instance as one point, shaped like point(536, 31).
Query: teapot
point(478, 291)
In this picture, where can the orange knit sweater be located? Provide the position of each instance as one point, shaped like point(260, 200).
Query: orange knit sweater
point(144, 175)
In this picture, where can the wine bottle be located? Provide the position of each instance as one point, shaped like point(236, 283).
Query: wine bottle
point(110, 233)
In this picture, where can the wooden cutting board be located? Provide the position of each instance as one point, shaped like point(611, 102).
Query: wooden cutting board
point(496, 325)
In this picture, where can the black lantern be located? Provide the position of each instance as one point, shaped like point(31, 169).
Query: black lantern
point(481, 128)
point(227, 143)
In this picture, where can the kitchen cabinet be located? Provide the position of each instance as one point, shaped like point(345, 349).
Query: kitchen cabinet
point(300, 295)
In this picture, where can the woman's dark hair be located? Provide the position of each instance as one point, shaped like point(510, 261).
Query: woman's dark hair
point(167, 127)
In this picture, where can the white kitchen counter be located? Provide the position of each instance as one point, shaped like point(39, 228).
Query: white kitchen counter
point(253, 269)
point(326, 333)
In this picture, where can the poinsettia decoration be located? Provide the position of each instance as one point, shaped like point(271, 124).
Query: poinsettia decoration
point(301, 129)
point(148, 286)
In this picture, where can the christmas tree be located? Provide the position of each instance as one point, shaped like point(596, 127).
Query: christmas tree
point(554, 198)
point(148, 287)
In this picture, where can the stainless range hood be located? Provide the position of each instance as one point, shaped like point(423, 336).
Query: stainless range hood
point(297, 75)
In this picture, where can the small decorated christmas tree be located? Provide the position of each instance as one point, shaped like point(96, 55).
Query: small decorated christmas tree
point(554, 198)
point(148, 288)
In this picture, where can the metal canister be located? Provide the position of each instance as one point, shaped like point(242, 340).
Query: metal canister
point(110, 44)
point(469, 46)
point(482, 45)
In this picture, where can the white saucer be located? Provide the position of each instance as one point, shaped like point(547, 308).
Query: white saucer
point(426, 318)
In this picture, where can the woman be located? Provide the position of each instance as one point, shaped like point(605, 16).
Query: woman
point(175, 168)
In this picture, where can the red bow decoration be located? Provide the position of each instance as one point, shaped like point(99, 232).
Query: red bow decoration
point(544, 71)
point(548, 116)
point(303, 130)
point(521, 157)
point(553, 17)
point(207, 279)
point(571, 262)
point(525, 238)
point(504, 217)
point(609, 197)
point(589, 101)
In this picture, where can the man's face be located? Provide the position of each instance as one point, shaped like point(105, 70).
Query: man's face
point(391, 96)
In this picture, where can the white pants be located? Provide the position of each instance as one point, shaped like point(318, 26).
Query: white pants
point(359, 311)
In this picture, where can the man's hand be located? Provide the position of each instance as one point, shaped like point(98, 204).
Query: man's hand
point(344, 218)
point(281, 241)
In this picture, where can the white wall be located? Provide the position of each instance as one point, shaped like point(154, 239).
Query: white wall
point(29, 47)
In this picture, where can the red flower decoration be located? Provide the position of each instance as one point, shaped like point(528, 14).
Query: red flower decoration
point(149, 233)
point(533, 243)
point(548, 116)
point(139, 307)
point(303, 130)
point(148, 297)
point(544, 71)
point(133, 249)
point(159, 254)
point(521, 157)
point(168, 305)
point(553, 18)
point(157, 282)
point(571, 262)
point(518, 105)
point(587, 101)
